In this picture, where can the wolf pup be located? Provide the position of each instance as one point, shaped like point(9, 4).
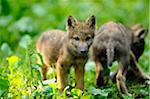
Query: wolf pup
point(112, 42)
point(138, 44)
point(137, 47)
point(67, 49)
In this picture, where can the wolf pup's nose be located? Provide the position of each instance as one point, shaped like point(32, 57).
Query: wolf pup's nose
point(83, 51)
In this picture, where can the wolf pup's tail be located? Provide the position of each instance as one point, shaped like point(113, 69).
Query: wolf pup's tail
point(110, 53)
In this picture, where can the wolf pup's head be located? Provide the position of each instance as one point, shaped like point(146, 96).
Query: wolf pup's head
point(138, 44)
point(80, 34)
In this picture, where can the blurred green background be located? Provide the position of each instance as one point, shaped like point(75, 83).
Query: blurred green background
point(22, 21)
point(20, 17)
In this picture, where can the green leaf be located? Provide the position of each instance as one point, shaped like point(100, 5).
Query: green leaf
point(5, 20)
point(25, 41)
point(95, 91)
point(76, 92)
point(41, 59)
point(47, 90)
point(6, 49)
point(25, 24)
point(90, 65)
point(39, 10)
point(4, 86)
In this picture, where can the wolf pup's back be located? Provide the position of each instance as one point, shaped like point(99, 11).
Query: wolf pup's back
point(49, 44)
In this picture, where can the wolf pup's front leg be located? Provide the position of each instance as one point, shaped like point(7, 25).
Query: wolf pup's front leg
point(79, 76)
point(62, 71)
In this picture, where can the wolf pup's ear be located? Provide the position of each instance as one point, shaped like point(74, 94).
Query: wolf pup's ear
point(142, 33)
point(71, 21)
point(139, 31)
point(91, 21)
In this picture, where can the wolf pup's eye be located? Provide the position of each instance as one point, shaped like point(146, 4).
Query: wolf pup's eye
point(76, 38)
point(88, 38)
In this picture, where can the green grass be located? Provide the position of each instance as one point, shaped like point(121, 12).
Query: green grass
point(21, 24)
